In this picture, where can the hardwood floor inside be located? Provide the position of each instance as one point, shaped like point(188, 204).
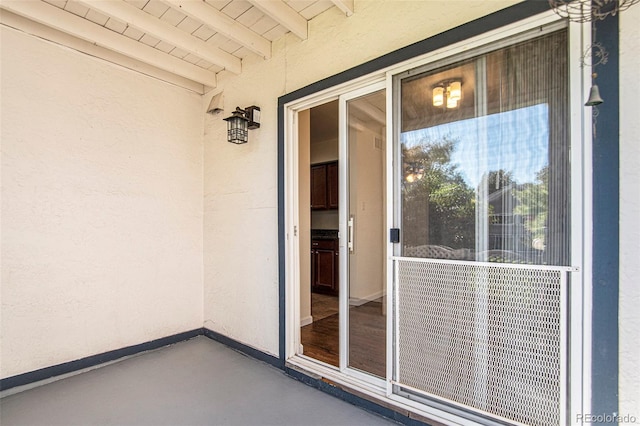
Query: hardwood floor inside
point(367, 334)
point(367, 338)
point(323, 306)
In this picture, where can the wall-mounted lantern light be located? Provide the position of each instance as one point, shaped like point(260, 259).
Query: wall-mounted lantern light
point(240, 122)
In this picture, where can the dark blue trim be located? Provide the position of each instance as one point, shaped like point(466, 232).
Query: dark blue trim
point(241, 347)
point(91, 361)
point(606, 196)
point(282, 303)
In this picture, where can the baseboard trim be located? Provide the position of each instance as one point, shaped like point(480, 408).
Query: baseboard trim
point(306, 321)
point(71, 367)
point(355, 301)
point(93, 360)
point(48, 373)
point(245, 349)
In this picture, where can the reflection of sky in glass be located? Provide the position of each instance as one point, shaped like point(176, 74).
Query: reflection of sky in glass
point(515, 141)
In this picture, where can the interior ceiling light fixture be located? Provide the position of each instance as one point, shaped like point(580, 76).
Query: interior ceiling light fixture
point(413, 172)
point(589, 10)
point(447, 93)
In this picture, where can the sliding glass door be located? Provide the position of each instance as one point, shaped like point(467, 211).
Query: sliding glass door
point(364, 302)
point(345, 278)
point(463, 305)
point(363, 297)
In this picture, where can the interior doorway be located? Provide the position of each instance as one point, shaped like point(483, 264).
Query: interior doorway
point(342, 168)
point(320, 248)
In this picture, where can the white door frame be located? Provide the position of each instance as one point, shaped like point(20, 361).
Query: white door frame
point(580, 323)
point(291, 170)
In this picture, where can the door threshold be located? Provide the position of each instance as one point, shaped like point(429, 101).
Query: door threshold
point(376, 386)
point(375, 393)
point(312, 363)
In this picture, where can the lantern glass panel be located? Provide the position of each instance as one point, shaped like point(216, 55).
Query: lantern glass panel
point(237, 130)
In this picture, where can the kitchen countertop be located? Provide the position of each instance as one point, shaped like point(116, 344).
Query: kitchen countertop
point(324, 234)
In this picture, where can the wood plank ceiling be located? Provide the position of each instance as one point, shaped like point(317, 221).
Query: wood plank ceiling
point(185, 42)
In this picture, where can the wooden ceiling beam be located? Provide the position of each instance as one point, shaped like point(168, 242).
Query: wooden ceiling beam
point(151, 25)
point(37, 29)
point(344, 5)
point(283, 14)
point(69, 23)
point(223, 24)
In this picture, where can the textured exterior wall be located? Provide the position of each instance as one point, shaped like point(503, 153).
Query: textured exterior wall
point(102, 183)
point(240, 182)
point(629, 314)
point(101, 206)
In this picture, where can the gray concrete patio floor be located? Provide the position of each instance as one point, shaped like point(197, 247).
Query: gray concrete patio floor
point(197, 382)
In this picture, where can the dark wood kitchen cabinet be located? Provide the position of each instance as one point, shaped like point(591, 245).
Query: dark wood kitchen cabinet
point(324, 186)
point(318, 186)
point(324, 266)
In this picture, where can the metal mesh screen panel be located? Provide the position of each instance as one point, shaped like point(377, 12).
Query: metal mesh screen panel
point(487, 337)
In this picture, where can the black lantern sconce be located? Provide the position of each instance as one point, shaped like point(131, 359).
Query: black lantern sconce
point(240, 122)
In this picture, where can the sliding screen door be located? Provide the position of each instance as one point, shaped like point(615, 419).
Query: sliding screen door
point(482, 272)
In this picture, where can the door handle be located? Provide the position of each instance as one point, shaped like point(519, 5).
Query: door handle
point(350, 241)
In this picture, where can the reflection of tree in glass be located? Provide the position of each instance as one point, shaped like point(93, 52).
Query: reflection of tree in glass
point(533, 205)
point(441, 199)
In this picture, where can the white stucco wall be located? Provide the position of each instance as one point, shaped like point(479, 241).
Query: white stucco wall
point(240, 212)
point(102, 183)
point(101, 206)
point(629, 314)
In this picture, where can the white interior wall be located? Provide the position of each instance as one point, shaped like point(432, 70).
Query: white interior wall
point(101, 206)
point(366, 197)
point(304, 201)
point(324, 151)
point(240, 211)
point(629, 314)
